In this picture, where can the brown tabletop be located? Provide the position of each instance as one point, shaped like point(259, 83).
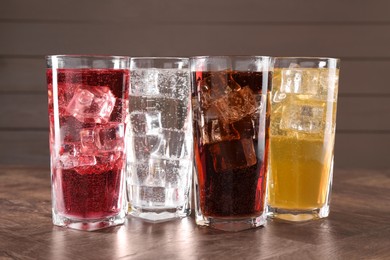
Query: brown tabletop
point(357, 228)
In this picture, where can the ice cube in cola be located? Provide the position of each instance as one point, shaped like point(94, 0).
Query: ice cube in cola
point(88, 168)
point(230, 163)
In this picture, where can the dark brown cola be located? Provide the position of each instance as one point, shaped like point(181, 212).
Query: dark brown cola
point(231, 142)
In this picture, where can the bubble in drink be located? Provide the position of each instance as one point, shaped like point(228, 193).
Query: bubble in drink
point(102, 138)
point(92, 104)
point(153, 122)
point(171, 144)
point(144, 83)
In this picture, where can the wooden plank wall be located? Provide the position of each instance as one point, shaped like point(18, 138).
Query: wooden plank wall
point(357, 31)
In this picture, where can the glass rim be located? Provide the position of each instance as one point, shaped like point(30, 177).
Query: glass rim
point(306, 58)
point(159, 58)
point(91, 56)
point(230, 56)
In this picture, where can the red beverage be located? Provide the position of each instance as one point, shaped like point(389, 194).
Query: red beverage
point(230, 157)
point(87, 112)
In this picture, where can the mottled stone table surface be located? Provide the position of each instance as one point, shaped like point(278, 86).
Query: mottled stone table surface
point(357, 228)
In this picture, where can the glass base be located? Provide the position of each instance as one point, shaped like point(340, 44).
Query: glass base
point(156, 215)
point(88, 224)
point(231, 224)
point(291, 215)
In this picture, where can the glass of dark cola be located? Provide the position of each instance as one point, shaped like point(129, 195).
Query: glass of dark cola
point(230, 102)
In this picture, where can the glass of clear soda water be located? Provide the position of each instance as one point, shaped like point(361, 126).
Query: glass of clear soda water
point(159, 162)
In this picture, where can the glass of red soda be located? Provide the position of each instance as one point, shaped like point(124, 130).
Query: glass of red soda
point(88, 104)
point(230, 102)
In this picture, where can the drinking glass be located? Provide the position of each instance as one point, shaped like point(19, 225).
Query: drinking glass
point(88, 102)
point(231, 120)
point(302, 134)
point(159, 167)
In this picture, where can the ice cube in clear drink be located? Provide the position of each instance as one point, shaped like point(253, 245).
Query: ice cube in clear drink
point(171, 144)
point(153, 122)
point(143, 146)
point(91, 104)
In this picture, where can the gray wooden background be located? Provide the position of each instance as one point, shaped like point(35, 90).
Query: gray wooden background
point(356, 31)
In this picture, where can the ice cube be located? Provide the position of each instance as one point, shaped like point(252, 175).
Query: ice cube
point(153, 122)
point(156, 175)
point(138, 172)
point(302, 118)
point(235, 105)
point(65, 94)
point(174, 175)
point(143, 104)
point(91, 104)
point(120, 111)
point(85, 160)
point(144, 82)
point(70, 129)
point(233, 155)
point(88, 140)
point(142, 123)
point(175, 113)
point(111, 137)
point(66, 161)
point(67, 157)
point(103, 163)
point(247, 126)
point(71, 157)
point(214, 87)
point(110, 160)
point(328, 84)
point(102, 138)
point(171, 144)
point(300, 80)
point(138, 123)
point(217, 131)
point(174, 83)
point(143, 146)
